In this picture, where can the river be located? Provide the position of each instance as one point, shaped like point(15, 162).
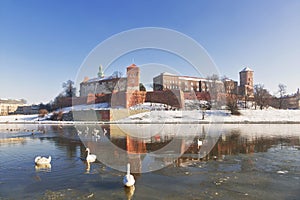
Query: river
point(186, 161)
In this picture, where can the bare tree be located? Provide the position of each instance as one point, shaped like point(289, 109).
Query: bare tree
point(142, 87)
point(282, 92)
point(247, 95)
point(64, 98)
point(231, 102)
point(69, 89)
point(117, 74)
point(215, 86)
point(261, 96)
point(231, 98)
point(114, 82)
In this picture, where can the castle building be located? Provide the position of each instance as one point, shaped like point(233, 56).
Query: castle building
point(188, 84)
point(125, 91)
point(230, 86)
point(111, 84)
point(246, 82)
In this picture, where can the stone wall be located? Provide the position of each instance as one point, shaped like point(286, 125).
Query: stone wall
point(90, 115)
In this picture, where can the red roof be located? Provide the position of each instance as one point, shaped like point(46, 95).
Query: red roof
point(132, 66)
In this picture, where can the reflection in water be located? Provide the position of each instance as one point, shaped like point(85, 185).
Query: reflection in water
point(129, 192)
point(234, 143)
point(144, 147)
point(43, 167)
point(154, 149)
point(88, 167)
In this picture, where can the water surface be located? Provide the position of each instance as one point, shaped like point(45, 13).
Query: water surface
point(245, 162)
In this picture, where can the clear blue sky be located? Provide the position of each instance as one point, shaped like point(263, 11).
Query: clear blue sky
point(43, 43)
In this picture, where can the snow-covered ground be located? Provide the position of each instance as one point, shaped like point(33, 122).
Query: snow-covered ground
point(194, 116)
point(35, 118)
point(18, 118)
point(269, 115)
point(97, 106)
point(247, 116)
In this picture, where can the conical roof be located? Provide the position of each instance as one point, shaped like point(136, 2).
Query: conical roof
point(246, 69)
point(132, 66)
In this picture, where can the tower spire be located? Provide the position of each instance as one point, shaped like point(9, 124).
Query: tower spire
point(100, 73)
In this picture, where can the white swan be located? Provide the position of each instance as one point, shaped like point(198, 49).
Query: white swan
point(200, 143)
point(96, 134)
point(128, 179)
point(95, 131)
point(90, 157)
point(42, 160)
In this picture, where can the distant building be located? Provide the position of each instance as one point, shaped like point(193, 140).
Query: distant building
point(27, 110)
point(230, 86)
point(9, 106)
point(246, 83)
point(287, 102)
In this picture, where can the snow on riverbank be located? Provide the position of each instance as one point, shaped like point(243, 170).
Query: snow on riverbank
point(271, 115)
point(195, 116)
point(18, 118)
point(247, 116)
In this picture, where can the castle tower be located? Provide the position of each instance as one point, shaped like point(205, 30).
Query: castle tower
point(246, 82)
point(133, 78)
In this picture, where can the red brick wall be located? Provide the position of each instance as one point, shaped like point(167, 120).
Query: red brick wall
point(69, 101)
point(136, 97)
point(173, 98)
point(197, 95)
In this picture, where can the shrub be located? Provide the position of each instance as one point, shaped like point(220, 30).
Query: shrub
point(43, 112)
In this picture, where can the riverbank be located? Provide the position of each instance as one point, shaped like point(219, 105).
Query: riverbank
point(270, 116)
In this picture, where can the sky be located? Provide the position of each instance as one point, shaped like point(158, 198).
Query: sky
point(45, 43)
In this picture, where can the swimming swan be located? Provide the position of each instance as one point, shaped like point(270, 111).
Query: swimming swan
point(42, 160)
point(200, 143)
point(128, 179)
point(90, 157)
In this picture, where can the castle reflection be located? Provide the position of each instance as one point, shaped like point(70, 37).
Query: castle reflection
point(131, 144)
point(117, 145)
